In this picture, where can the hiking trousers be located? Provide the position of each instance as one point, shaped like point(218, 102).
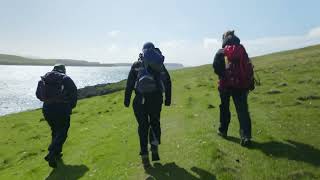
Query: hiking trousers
point(147, 112)
point(58, 119)
point(240, 99)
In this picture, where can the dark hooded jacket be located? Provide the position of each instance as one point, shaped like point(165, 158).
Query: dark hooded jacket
point(132, 78)
point(69, 92)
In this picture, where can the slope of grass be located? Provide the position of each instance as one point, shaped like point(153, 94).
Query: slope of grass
point(103, 140)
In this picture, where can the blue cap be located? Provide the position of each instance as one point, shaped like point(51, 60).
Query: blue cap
point(148, 45)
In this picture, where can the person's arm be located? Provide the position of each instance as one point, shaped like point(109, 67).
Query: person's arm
point(71, 95)
point(218, 63)
point(130, 84)
point(168, 88)
point(251, 71)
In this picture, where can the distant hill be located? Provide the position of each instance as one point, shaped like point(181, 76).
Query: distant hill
point(168, 65)
point(6, 59)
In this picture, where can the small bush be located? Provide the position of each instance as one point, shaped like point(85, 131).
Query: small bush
point(210, 106)
point(202, 85)
point(303, 81)
point(187, 87)
point(309, 97)
point(283, 84)
point(274, 91)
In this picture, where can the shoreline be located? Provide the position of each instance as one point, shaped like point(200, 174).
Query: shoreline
point(101, 89)
point(88, 92)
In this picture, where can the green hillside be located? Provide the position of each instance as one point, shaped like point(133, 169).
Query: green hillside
point(6, 59)
point(103, 140)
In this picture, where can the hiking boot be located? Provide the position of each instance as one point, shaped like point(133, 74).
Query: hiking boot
point(47, 157)
point(52, 161)
point(245, 142)
point(145, 161)
point(155, 156)
point(222, 134)
point(58, 156)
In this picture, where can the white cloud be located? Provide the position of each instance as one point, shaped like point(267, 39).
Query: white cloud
point(172, 44)
point(197, 52)
point(114, 33)
point(314, 33)
point(187, 52)
point(112, 48)
point(211, 43)
point(266, 45)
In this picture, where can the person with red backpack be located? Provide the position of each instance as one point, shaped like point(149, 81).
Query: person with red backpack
point(149, 79)
point(58, 93)
point(235, 72)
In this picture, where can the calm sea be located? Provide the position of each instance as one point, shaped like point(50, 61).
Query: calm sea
point(18, 83)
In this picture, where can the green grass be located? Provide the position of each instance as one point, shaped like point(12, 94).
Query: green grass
point(103, 140)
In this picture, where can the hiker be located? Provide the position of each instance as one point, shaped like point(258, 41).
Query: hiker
point(235, 72)
point(59, 95)
point(150, 79)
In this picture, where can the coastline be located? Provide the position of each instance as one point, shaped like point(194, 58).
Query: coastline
point(89, 91)
point(101, 89)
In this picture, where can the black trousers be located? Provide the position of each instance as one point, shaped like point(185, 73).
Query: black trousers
point(240, 99)
point(58, 118)
point(147, 112)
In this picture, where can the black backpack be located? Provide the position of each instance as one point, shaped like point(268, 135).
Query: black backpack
point(50, 88)
point(148, 82)
point(149, 74)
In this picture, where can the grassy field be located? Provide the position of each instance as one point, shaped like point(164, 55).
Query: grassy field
point(103, 140)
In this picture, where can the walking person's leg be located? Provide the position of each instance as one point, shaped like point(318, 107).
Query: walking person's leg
point(59, 123)
point(61, 134)
point(225, 114)
point(51, 119)
point(143, 130)
point(155, 135)
point(53, 135)
point(240, 99)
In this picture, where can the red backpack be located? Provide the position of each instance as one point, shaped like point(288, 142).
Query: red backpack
point(238, 69)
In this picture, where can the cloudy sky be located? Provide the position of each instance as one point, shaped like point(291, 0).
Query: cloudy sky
point(187, 31)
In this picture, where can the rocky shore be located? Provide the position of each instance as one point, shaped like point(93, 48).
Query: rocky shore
point(100, 89)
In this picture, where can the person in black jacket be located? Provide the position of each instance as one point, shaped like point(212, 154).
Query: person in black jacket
point(147, 108)
point(57, 111)
point(239, 95)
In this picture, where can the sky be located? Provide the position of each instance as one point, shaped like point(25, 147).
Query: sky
point(187, 32)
